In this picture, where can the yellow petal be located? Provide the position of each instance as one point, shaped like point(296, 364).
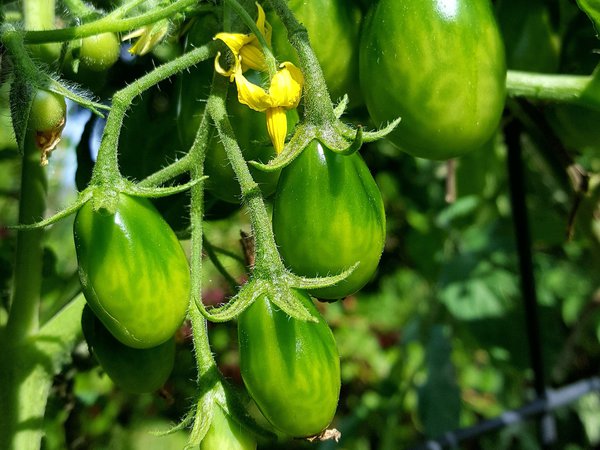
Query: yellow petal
point(286, 86)
point(263, 26)
point(235, 41)
point(226, 73)
point(250, 94)
point(277, 127)
point(252, 57)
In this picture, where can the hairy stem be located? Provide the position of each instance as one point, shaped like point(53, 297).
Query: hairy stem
point(106, 24)
point(106, 170)
point(267, 260)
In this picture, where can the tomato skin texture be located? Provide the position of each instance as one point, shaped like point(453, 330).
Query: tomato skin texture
point(133, 370)
point(333, 28)
point(290, 368)
point(99, 52)
point(327, 215)
point(133, 271)
point(225, 433)
point(48, 111)
point(440, 66)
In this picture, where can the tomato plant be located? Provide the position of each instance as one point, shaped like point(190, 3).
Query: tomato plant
point(327, 216)
point(133, 271)
point(212, 182)
point(440, 67)
point(300, 362)
point(134, 370)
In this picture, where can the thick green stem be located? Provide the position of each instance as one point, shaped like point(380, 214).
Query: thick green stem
point(24, 312)
point(26, 376)
point(107, 24)
point(538, 86)
point(106, 170)
point(317, 102)
point(39, 15)
point(267, 260)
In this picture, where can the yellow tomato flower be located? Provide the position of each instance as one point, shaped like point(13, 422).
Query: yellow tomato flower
point(284, 93)
point(149, 37)
point(246, 47)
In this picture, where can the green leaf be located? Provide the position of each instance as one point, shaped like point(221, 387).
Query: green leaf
point(21, 98)
point(439, 397)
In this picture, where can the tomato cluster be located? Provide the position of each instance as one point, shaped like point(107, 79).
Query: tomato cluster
point(396, 59)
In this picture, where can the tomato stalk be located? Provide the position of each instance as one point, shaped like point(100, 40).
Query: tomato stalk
point(106, 170)
point(268, 264)
point(109, 23)
point(539, 86)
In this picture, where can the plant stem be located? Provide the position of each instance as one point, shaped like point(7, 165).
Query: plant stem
point(106, 170)
point(24, 312)
point(106, 24)
point(563, 88)
point(268, 263)
point(317, 102)
point(167, 173)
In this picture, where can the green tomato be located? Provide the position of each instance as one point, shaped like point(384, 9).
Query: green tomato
point(133, 370)
point(439, 65)
point(133, 271)
point(99, 52)
point(327, 216)
point(225, 433)
point(48, 111)
point(290, 368)
point(333, 28)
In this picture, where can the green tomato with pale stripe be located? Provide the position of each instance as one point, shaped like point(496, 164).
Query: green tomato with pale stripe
point(438, 65)
point(133, 271)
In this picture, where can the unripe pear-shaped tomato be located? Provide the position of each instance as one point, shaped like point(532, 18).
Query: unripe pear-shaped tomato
point(290, 368)
point(134, 370)
point(327, 216)
point(440, 66)
point(333, 28)
point(133, 271)
point(225, 433)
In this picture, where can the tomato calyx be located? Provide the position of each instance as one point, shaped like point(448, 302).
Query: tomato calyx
point(278, 288)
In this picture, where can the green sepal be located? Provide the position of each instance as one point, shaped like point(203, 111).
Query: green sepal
point(307, 283)
point(76, 94)
point(83, 197)
point(21, 98)
point(157, 192)
point(234, 307)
